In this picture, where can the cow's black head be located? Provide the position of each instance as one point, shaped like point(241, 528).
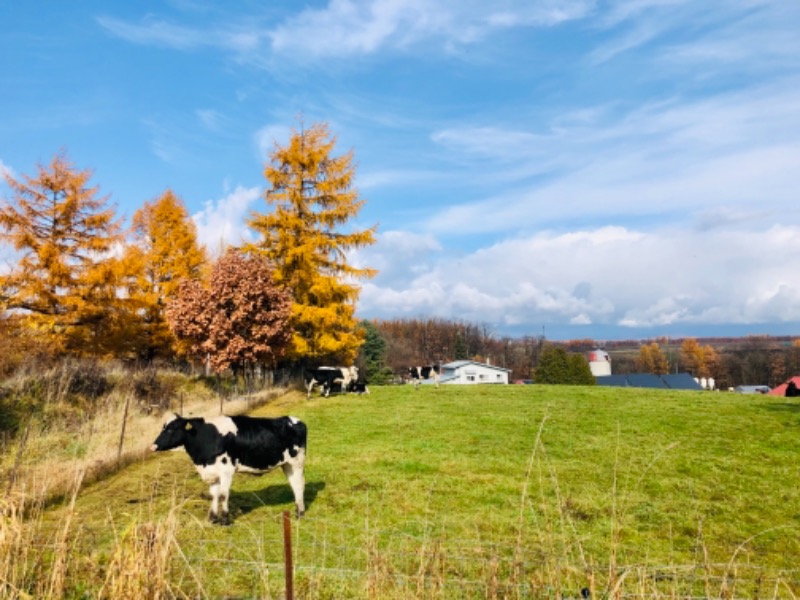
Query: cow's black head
point(176, 432)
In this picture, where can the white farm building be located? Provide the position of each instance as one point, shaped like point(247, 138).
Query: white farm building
point(468, 371)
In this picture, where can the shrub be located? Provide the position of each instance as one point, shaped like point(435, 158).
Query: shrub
point(153, 389)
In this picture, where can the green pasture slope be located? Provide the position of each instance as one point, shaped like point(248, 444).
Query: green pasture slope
point(492, 491)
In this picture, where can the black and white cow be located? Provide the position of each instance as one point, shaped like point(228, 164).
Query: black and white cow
point(327, 377)
point(221, 446)
point(358, 387)
point(419, 374)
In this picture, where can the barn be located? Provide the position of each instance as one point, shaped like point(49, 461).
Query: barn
point(469, 372)
point(781, 389)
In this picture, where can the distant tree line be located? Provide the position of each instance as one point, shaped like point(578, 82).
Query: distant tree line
point(397, 344)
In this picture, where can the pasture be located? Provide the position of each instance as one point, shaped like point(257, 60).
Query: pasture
point(456, 492)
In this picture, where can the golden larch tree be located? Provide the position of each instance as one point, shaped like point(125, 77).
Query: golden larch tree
point(651, 359)
point(65, 275)
point(163, 253)
point(699, 360)
point(306, 239)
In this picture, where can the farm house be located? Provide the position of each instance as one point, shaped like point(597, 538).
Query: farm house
point(468, 372)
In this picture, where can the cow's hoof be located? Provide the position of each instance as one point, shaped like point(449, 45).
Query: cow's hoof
point(299, 513)
point(219, 519)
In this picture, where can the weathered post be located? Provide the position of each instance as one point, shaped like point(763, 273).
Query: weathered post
point(287, 554)
point(122, 429)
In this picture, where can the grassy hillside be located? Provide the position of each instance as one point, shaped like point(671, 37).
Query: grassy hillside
point(514, 491)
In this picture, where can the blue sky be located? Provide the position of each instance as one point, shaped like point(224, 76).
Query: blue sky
point(605, 169)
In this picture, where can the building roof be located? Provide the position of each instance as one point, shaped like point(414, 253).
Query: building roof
point(457, 364)
point(646, 380)
point(677, 381)
point(612, 380)
point(681, 381)
point(781, 389)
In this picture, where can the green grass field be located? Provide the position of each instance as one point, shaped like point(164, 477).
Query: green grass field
point(473, 492)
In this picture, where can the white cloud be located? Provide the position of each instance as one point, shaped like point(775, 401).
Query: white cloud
point(610, 275)
point(221, 223)
point(154, 32)
point(361, 27)
point(344, 28)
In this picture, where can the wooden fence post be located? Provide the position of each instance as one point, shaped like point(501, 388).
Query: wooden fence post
point(287, 554)
point(122, 429)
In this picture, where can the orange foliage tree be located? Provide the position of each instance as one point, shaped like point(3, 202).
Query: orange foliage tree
point(65, 277)
point(699, 360)
point(163, 252)
point(305, 237)
point(239, 321)
point(651, 359)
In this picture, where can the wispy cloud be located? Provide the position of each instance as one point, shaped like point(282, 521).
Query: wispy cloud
point(156, 32)
point(151, 32)
point(350, 27)
point(731, 150)
point(346, 28)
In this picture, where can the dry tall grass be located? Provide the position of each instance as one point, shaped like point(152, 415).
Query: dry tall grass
point(100, 435)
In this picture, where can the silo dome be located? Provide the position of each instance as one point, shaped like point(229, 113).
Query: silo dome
point(599, 363)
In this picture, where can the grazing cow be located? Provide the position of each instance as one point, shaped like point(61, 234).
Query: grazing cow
point(791, 390)
point(221, 446)
point(358, 387)
point(419, 374)
point(327, 377)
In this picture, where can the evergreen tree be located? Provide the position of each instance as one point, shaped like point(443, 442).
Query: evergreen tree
point(578, 369)
point(373, 356)
point(305, 237)
point(460, 351)
point(556, 366)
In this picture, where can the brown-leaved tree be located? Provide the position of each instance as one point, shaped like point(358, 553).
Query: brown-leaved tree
point(239, 321)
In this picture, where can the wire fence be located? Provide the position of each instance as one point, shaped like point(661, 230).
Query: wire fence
point(332, 560)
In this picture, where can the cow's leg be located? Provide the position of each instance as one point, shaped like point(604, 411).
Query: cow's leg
point(295, 473)
point(213, 513)
point(310, 388)
point(225, 482)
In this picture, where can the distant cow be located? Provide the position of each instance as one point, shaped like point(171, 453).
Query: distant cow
point(358, 387)
point(791, 390)
point(328, 377)
point(221, 446)
point(419, 374)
